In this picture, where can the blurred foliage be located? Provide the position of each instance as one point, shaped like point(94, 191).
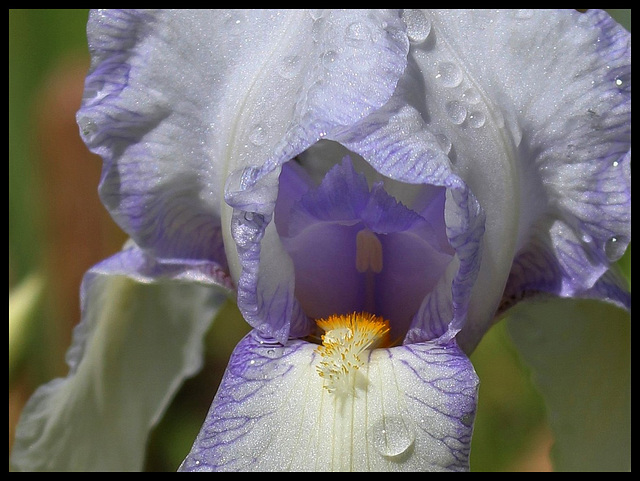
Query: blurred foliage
point(58, 229)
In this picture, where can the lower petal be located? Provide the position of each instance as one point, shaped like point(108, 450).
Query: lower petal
point(413, 410)
point(140, 337)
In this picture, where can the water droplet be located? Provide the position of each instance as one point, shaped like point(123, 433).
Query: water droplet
point(615, 163)
point(328, 58)
point(614, 248)
point(391, 436)
point(274, 352)
point(317, 29)
point(88, 127)
point(248, 229)
point(477, 119)
point(449, 74)
point(444, 142)
point(258, 135)
point(621, 79)
point(233, 24)
point(357, 32)
point(471, 96)
point(457, 111)
point(467, 419)
point(316, 13)
point(418, 25)
point(523, 14)
point(290, 66)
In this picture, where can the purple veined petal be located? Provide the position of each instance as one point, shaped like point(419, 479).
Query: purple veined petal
point(341, 80)
point(177, 100)
point(412, 410)
point(538, 126)
point(355, 248)
point(157, 179)
point(460, 229)
point(140, 337)
point(395, 140)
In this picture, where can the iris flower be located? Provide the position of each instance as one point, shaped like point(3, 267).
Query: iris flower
point(373, 188)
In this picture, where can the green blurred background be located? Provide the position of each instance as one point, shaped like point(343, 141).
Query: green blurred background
point(58, 229)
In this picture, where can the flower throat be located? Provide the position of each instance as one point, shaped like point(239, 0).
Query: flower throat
point(345, 345)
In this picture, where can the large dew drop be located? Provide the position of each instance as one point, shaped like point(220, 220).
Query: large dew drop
point(449, 74)
point(418, 25)
point(391, 436)
point(457, 112)
point(290, 66)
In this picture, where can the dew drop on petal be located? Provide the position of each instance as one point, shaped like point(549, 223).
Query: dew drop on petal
point(233, 24)
point(317, 29)
point(258, 135)
point(477, 119)
point(456, 111)
point(391, 436)
point(273, 353)
point(88, 127)
point(316, 13)
point(328, 58)
point(621, 79)
point(357, 32)
point(449, 74)
point(471, 96)
point(523, 14)
point(418, 25)
point(249, 228)
point(444, 142)
point(290, 66)
point(614, 248)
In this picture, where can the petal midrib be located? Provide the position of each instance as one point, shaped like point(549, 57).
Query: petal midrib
point(501, 224)
point(231, 154)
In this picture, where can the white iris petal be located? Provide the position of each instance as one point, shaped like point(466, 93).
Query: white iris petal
point(412, 410)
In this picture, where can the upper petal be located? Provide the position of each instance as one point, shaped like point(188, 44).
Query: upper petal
point(158, 179)
point(177, 99)
point(397, 142)
point(140, 336)
point(534, 109)
point(350, 64)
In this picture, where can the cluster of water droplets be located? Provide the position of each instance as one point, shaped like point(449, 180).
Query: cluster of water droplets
point(335, 52)
point(462, 103)
point(467, 106)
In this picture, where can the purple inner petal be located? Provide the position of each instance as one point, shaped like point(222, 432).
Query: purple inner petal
point(356, 248)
